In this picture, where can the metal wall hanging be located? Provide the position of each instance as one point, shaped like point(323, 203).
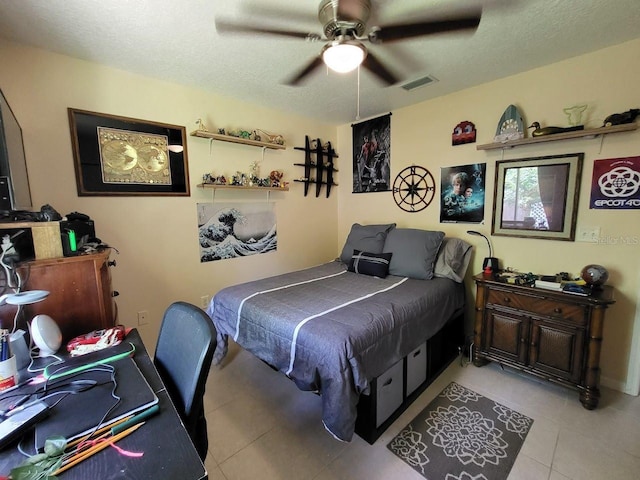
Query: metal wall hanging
point(414, 189)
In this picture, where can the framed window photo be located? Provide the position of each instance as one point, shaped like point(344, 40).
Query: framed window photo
point(537, 197)
point(116, 155)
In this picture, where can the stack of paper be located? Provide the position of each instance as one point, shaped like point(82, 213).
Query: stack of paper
point(549, 285)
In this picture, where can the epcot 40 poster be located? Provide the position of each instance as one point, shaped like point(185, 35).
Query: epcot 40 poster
point(616, 184)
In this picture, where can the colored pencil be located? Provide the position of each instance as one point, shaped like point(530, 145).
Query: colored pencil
point(73, 461)
point(99, 431)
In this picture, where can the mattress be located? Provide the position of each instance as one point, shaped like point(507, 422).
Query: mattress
point(333, 331)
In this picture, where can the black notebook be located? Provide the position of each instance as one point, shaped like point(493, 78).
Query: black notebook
point(75, 415)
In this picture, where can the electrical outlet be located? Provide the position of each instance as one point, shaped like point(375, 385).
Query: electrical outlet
point(204, 301)
point(143, 317)
point(588, 234)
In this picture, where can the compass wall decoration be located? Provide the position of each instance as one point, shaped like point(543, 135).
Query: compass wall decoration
point(414, 189)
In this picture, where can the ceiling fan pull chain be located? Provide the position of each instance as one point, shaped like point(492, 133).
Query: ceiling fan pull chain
point(358, 97)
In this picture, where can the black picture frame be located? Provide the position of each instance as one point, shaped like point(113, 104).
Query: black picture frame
point(122, 156)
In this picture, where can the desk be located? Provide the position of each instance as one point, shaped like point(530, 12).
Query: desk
point(168, 451)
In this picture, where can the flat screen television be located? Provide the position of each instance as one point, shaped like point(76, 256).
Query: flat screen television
point(15, 193)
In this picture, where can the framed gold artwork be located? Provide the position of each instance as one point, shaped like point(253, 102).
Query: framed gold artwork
point(124, 156)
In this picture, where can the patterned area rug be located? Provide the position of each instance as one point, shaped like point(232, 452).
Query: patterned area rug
point(462, 435)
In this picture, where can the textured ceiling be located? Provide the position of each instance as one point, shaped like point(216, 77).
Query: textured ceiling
point(176, 40)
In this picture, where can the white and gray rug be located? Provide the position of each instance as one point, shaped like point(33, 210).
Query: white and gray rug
point(462, 435)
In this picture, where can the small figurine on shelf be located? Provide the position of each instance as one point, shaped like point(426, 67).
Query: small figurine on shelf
point(207, 178)
point(221, 180)
point(244, 134)
point(221, 131)
point(255, 136)
point(574, 114)
point(201, 125)
point(621, 118)
point(254, 168)
point(540, 131)
point(273, 138)
point(276, 176)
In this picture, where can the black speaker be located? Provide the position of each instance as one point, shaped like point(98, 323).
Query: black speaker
point(84, 229)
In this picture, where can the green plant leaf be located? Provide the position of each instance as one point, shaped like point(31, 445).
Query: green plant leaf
point(55, 446)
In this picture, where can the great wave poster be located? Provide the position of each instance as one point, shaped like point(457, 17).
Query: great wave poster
point(230, 230)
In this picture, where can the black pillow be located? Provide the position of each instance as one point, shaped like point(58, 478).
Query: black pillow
point(367, 263)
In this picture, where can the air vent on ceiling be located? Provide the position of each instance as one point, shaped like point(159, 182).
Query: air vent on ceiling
point(419, 82)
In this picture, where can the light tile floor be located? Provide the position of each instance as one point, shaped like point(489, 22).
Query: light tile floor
point(262, 427)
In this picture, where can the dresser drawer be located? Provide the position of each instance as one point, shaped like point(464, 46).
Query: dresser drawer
point(537, 305)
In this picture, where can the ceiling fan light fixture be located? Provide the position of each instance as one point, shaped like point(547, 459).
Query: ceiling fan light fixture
point(343, 56)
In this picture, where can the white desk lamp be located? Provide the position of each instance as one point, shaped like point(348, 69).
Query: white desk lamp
point(43, 330)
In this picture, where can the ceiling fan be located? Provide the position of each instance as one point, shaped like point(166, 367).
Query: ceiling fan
point(345, 30)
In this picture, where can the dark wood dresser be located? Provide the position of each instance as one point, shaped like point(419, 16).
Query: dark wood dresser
point(81, 298)
point(553, 335)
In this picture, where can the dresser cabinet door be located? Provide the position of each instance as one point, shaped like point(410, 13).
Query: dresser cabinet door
point(505, 336)
point(556, 349)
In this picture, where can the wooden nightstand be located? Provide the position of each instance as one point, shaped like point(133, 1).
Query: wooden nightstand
point(553, 335)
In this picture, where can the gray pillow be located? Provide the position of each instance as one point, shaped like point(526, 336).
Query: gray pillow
point(414, 252)
point(453, 259)
point(366, 238)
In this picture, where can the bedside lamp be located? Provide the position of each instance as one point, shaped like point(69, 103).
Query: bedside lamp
point(490, 261)
point(44, 332)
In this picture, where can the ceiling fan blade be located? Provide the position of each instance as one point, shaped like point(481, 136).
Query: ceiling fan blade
point(302, 74)
point(392, 33)
point(372, 64)
point(229, 27)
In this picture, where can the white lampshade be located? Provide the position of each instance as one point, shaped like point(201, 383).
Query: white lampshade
point(343, 56)
point(24, 298)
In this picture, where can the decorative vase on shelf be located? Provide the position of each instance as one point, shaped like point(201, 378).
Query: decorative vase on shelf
point(594, 275)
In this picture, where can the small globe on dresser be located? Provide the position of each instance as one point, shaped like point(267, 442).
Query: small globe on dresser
point(594, 275)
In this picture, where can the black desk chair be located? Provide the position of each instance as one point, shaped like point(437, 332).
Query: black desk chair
point(183, 357)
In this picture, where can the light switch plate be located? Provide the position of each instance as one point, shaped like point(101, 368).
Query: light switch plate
point(588, 234)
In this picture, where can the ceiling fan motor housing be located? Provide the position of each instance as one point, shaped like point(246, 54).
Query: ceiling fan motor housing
point(344, 17)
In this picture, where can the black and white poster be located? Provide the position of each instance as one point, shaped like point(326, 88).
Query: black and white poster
point(231, 230)
point(372, 155)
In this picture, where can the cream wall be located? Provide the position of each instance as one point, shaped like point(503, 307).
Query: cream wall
point(607, 80)
point(157, 237)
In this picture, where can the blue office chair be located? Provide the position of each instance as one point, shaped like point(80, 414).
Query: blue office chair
point(183, 357)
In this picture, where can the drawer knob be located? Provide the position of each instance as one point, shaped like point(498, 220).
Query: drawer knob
point(111, 263)
point(506, 300)
point(557, 310)
point(388, 382)
point(115, 293)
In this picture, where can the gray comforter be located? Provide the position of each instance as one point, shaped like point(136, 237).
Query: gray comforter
point(332, 331)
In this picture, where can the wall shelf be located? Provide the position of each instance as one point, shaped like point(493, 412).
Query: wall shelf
point(319, 165)
point(231, 139)
point(591, 132)
point(242, 187)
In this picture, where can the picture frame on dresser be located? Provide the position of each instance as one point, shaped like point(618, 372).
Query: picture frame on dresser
point(537, 197)
point(115, 155)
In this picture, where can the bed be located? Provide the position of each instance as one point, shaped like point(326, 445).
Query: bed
point(335, 328)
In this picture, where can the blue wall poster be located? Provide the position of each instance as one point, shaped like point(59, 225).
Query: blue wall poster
point(462, 193)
